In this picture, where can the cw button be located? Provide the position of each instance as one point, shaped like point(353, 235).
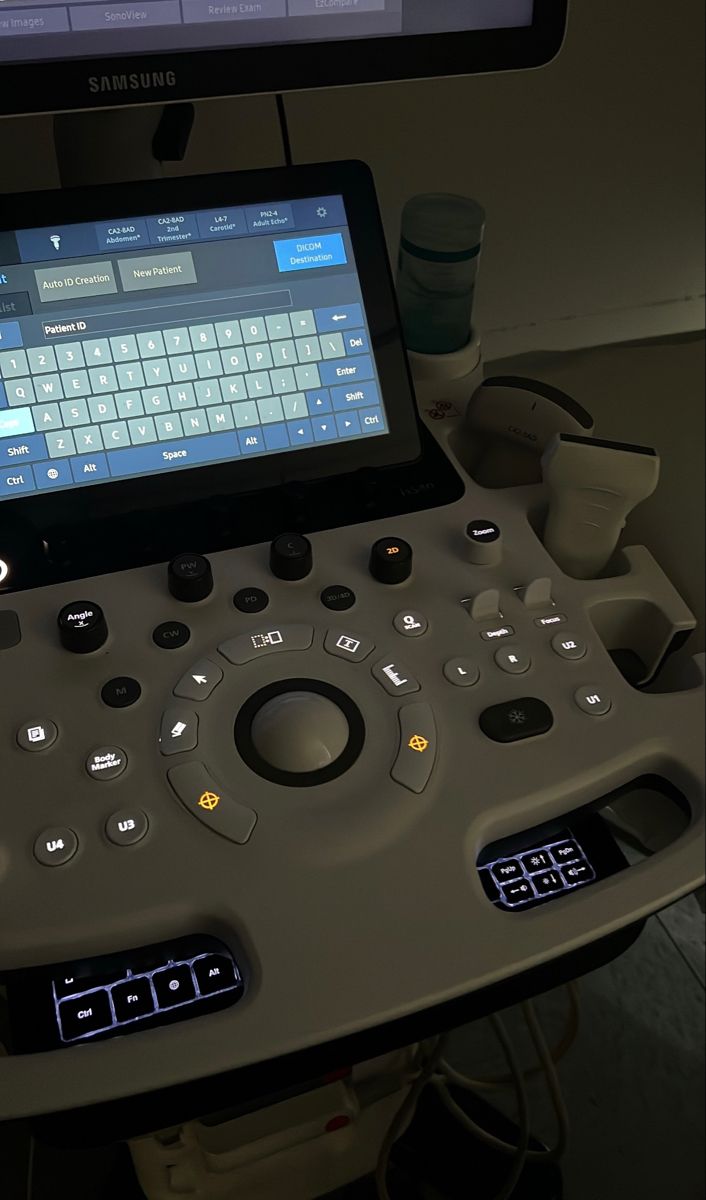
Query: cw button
point(417, 747)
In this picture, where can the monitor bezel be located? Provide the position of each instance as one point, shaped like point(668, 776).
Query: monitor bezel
point(353, 180)
point(68, 85)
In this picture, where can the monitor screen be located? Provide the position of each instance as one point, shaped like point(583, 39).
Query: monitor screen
point(132, 346)
point(64, 54)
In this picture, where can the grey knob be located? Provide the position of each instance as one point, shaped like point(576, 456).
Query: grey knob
point(300, 732)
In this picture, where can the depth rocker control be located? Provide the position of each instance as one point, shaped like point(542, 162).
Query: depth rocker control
point(190, 578)
point(82, 627)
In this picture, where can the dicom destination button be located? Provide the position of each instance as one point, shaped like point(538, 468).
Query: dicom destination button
point(157, 271)
point(310, 252)
point(72, 281)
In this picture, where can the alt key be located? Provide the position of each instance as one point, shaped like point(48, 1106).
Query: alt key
point(214, 973)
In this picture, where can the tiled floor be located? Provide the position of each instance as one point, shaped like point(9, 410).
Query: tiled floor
point(634, 1080)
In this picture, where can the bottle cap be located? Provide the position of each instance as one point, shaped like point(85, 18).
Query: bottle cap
point(443, 224)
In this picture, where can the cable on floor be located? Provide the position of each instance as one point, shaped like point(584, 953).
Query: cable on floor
point(431, 1067)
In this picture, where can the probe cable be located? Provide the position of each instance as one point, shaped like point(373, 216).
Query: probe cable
point(434, 1069)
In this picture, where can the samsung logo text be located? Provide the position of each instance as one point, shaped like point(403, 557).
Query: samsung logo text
point(140, 81)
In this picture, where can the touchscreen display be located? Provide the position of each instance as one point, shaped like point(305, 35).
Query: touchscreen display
point(139, 346)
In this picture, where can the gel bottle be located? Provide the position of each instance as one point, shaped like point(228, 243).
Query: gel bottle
point(440, 247)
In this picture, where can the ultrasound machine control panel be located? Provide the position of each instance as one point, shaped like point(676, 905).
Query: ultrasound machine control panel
point(301, 728)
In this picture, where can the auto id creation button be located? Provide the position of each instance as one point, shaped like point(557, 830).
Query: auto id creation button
point(75, 282)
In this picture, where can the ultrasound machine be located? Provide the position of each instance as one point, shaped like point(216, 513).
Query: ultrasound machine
point(307, 738)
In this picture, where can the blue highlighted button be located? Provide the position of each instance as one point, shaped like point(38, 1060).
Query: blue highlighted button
point(30, 449)
point(252, 441)
point(53, 474)
point(89, 467)
point(356, 342)
point(362, 395)
point(15, 422)
point(348, 424)
point(300, 432)
point(10, 335)
point(346, 370)
point(324, 429)
point(276, 437)
point(310, 252)
point(372, 420)
point(17, 479)
point(346, 316)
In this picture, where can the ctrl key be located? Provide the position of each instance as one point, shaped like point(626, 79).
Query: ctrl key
point(84, 1015)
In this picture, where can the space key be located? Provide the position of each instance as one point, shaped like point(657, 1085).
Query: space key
point(142, 460)
point(201, 795)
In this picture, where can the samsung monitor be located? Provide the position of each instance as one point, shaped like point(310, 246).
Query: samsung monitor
point(65, 55)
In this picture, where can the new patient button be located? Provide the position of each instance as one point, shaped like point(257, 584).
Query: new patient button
point(157, 271)
point(68, 282)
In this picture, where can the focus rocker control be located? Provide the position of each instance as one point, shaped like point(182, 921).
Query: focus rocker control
point(82, 627)
point(391, 560)
point(291, 557)
point(190, 578)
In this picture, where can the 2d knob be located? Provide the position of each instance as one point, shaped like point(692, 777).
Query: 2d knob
point(82, 627)
point(190, 578)
point(291, 557)
point(391, 560)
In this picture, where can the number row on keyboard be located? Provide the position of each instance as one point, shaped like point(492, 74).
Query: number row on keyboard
point(14, 364)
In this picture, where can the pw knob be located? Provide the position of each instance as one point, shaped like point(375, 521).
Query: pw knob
point(391, 560)
point(291, 557)
point(82, 627)
point(190, 578)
